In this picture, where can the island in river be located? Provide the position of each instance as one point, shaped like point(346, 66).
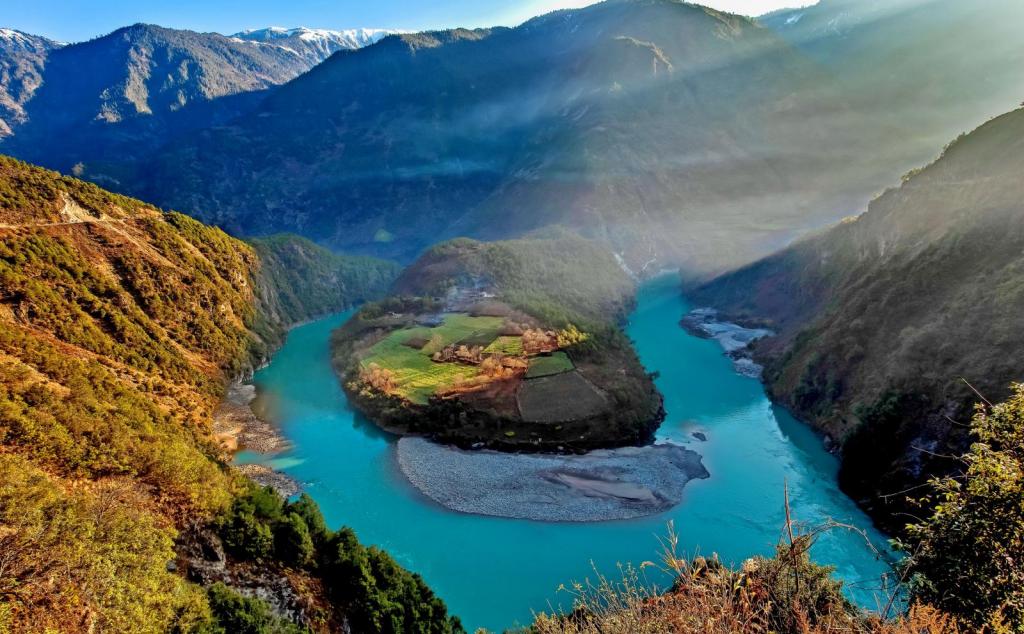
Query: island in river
point(481, 347)
point(489, 351)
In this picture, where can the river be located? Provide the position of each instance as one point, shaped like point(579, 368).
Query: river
point(494, 572)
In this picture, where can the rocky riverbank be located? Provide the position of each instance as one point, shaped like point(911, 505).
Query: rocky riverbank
point(602, 485)
point(237, 427)
point(734, 339)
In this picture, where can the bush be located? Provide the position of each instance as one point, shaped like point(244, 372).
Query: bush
point(293, 544)
point(968, 557)
point(236, 614)
point(308, 510)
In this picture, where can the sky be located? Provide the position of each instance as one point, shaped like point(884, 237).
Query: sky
point(77, 20)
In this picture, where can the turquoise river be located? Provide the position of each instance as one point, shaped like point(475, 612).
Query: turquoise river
point(493, 572)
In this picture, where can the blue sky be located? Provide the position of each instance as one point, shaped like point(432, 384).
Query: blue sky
point(75, 20)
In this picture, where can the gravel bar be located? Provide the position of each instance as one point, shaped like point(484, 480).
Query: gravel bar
point(609, 484)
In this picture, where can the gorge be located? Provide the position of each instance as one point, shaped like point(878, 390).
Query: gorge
point(753, 450)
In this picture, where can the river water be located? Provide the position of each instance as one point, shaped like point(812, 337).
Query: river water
point(494, 572)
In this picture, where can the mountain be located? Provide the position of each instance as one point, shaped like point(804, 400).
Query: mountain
point(926, 70)
point(681, 135)
point(22, 58)
point(125, 94)
point(315, 45)
point(120, 326)
point(674, 132)
point(889, 322)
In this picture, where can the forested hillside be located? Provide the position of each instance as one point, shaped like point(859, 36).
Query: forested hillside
point(121, 96)
point(671, 131)
point(120, 326)
point(887, 320)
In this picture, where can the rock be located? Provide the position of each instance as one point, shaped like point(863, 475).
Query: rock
point(699, 435)
point(263, 475)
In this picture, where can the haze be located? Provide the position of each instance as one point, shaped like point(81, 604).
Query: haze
point(78, 20)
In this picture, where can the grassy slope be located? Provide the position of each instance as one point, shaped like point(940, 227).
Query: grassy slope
point(882, 315)
point(117, 334)
point(417, 377)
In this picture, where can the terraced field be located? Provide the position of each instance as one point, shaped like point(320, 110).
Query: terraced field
point(416, 376)
point(506, 345)
point(548, 365)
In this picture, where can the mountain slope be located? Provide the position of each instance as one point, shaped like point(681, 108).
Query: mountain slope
point(668, 129)
point(124, 94)
point(925, 70)
point(119, 328)
point(314, 45)
point(22, 58)
point(881, 317)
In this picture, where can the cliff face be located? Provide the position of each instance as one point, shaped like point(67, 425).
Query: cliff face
point(885, 318)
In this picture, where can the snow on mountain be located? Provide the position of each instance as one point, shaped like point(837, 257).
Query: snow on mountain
point(321, 39)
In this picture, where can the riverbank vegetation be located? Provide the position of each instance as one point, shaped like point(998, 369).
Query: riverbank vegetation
point(120, 326)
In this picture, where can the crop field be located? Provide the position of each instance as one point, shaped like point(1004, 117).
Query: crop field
point(557, 363)
point(417, 377)
point(559, 398)
point(506, 345)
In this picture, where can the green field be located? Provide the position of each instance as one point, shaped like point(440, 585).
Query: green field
point(506, 345)
point(416, 375)
point(557, 363)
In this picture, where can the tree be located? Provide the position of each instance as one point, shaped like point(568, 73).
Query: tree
point(292, 542)
point(968, 557)
point(306, 508)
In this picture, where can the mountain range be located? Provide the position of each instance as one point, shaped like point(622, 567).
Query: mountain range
point(680, 135)
point(643, 123)
point(125, 94)
point(316, 45)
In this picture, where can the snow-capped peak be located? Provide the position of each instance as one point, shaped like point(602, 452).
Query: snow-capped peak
point(12, 37)
point(348, 38)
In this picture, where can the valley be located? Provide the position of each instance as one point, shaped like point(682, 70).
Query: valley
point(385, 330)
point(752, 450)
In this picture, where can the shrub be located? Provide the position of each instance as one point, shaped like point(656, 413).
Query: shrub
point(293, 544)
point(236, 614)
point(967, 558)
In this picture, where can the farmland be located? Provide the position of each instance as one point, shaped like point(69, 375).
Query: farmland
point(416, 376)
point(547, 365)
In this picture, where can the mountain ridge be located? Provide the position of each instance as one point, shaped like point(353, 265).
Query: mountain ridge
point(126, 93)
point(889, 322)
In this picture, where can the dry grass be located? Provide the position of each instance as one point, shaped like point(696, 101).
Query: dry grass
point(784, 594)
